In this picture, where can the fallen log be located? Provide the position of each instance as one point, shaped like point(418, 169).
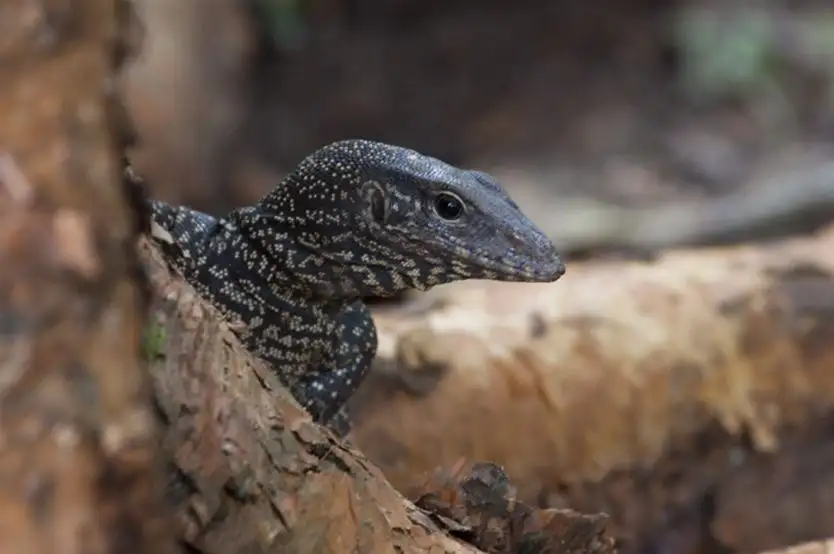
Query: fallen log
point(689, 398)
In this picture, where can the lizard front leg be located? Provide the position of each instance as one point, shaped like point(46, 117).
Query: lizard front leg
point(324, 393)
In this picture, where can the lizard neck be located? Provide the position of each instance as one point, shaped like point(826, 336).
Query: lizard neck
point(275, 248)
point(214, 254)
point(180, 233)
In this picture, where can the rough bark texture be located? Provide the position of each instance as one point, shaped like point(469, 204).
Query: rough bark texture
point(689, 398)
point(78, 455)
point(251, 472)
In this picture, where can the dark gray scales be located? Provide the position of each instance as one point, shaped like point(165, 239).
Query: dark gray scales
point(355, 219)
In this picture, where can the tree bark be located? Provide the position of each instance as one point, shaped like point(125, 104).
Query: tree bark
point(78, 446)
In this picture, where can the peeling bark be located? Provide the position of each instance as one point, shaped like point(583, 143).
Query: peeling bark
point(78, 446)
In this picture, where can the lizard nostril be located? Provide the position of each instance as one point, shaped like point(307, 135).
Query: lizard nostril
point(517, 240)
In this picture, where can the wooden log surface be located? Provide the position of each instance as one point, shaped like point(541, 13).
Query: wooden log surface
point(689, 398)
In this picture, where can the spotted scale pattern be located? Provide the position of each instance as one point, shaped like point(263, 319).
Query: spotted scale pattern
point(355, 219)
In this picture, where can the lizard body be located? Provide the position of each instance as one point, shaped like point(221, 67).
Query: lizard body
point(355, 219)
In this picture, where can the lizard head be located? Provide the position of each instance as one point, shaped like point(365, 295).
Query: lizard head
point(402, 220)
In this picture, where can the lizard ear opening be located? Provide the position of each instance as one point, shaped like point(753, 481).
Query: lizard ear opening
point(376, 201)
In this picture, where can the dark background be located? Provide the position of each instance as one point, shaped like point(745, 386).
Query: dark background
point(635, 103)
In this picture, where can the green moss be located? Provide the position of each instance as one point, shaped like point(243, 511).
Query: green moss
point(153, 342)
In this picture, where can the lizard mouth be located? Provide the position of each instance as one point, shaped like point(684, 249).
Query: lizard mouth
point(510, 259)
point(538, 262)
point(515, 267)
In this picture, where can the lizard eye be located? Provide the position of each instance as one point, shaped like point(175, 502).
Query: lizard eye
point(448, 206)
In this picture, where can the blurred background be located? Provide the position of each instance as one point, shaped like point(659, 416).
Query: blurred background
point(624, 128)
point(579, 107)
